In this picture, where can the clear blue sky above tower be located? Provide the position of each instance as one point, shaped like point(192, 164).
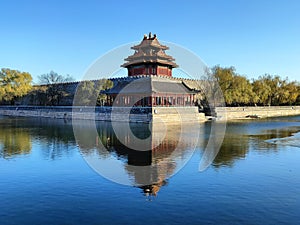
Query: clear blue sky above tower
point(256, 37)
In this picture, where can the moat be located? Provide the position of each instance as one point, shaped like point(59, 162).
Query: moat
point(45, 177)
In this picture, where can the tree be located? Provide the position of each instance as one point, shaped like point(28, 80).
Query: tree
point(271, 90)
point(237, 89)
point(288, 92)
point(242, 91)
point(225, 76)
point(54, 78)
point(14, 84)
point(101, 85)
point(275, 83)
point(262, 91)
point(55, 90)
point(37, 96)
point(266, 90)
point(85, 90)
point(89, 92)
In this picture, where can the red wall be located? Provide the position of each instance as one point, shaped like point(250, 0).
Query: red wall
point(164, 71)
point(151, 70)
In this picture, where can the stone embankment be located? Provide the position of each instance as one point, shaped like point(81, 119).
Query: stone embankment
point(236, 113)
point(147, 114)
point(122, 114)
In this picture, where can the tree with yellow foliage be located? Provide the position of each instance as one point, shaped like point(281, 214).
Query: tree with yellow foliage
point(14, 84)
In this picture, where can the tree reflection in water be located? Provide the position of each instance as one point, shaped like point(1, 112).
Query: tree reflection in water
point(170, 146)
point(14, 140)
point(241, 135)
point(18, 134)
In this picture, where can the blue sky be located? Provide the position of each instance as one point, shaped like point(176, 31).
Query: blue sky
point(256, 37)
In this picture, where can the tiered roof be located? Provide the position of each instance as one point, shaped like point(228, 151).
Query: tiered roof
point(150, 51)
point(149, 85)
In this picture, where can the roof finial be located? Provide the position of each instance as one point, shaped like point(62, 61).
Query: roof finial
point(145, 36)
point(150, 34)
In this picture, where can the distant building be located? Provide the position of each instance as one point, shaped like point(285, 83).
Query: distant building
point(150, 58)
point(149, 81)
point(149, 90)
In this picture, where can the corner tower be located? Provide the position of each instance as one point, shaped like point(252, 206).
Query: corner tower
point(150, 58)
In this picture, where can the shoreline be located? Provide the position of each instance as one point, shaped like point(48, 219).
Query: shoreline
point(149, 114)
point(256, 112)
point(106, 113)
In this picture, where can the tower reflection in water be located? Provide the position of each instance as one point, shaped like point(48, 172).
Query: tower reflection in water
point(165, 149)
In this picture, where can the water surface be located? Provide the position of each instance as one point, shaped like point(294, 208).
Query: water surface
point(44, 177)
